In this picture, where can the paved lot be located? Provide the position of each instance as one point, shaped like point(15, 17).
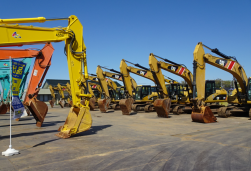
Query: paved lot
point(131, 143)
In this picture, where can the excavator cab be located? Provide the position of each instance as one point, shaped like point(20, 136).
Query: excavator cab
point(249, 90)
point(209, 88)
point(143, 91)
point(119, 93)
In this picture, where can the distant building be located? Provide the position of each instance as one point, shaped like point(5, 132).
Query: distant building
point(45, 93)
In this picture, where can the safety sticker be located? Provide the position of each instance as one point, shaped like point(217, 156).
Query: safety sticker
point(182, 69)
point(35, 72)
point(231, 65)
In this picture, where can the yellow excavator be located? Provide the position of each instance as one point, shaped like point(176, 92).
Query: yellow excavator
point(109, 97)
point(12, 34)
point(213, 96)
point(240, 100)
point(116, 93)
point(144, 96)
point(60, 88)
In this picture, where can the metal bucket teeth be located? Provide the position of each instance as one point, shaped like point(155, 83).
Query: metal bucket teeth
point(162, 107)
point(203, 115)
point(38, 109)
point(3, 109)
point(78, 120)
point(103, 105)
point(126, 106)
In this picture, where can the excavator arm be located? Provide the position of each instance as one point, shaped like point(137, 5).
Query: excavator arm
point(53, 96)
point(11, 33)
point(176, 69)
point(146, 73)
point(42, 62)
point(105, 102)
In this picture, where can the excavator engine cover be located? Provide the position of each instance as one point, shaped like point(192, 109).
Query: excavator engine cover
point(52, 102)
point(3, 108)
point(38, 109)
point(203, 115)
point(103, 104)
point(78, 120)
point(126, 106)
point(162, 107)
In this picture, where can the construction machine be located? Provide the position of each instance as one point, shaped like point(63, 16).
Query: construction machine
point(241, 101)
point(184, 94)
point(13, 34)
point(116, 93)
point(60, 88)
point(52, 101)
point(144, 97)
point(41, 65)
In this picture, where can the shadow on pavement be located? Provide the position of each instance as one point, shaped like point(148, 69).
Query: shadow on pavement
point(93, 130)
point(45, 142)
point(45, 124)
point(26, 134)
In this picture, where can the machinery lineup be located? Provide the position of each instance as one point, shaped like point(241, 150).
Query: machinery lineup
point(197, 97)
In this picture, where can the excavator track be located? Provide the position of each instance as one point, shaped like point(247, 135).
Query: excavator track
point(203, 115)
point(149, 108)
point(177, 110)
point(116, 106)
point(223, 112)
point(126, 106)
point(162, 107)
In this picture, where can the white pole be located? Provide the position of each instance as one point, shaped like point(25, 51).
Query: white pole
point(10, 151)
point(10, 100)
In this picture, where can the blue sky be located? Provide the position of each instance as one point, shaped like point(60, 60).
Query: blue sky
point(131, 29)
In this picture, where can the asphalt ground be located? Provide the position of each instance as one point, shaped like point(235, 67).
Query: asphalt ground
point(137, 142)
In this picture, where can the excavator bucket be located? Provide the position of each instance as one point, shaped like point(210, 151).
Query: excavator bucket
point(61, 103)
point(91, 103)
point(162, 107)
point(38, 109)
point(70, 103)
point(78, 120)
point(203, 115)
point(3, 108)
point(126, 106)
point(103, 104)
point(52, 102)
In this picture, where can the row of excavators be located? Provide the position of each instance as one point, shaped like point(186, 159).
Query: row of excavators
point(89, 91)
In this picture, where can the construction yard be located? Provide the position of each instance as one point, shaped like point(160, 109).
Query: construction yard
point(140, 141)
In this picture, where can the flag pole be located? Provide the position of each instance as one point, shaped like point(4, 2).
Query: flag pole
point(10, 151)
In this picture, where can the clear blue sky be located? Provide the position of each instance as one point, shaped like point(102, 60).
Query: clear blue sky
point(131, 29)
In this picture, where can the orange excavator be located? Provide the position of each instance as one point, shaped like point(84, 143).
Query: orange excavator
point(42, 63)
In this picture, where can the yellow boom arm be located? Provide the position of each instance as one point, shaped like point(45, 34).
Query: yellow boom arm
point(229, 65)
point(15, 34)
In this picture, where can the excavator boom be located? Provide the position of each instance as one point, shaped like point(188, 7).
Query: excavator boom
point(79, 118)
